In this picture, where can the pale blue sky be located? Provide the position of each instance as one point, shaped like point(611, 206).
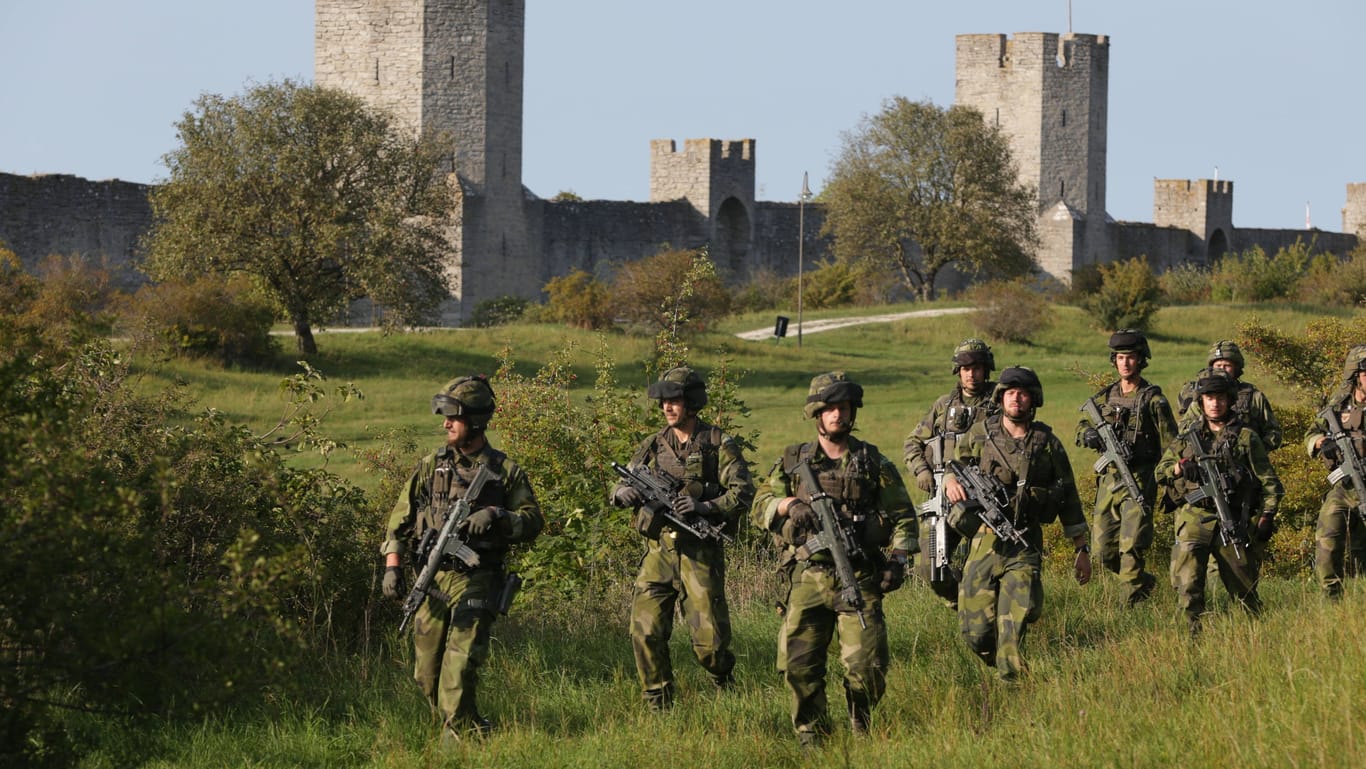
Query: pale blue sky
point(1270, 93)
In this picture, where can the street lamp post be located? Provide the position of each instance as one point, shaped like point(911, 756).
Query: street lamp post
point(801, 243)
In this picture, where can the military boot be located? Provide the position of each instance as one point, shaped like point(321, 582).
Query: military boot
point(660, 699)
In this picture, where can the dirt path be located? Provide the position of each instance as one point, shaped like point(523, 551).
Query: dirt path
point(817, 326)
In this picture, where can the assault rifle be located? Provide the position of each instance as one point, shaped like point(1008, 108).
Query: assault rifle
point(1116, 452)
point(992, 498)
point(1216, 486)
point(1351, 466)
point(660, 490)
point(935, 513)
point(835, 538)
point(436, 546)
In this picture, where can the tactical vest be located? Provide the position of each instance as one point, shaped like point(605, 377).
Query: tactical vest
point(1129, 416)
point(1350, 415)
point(958, 417)
point(855, 487)
point(449, 483)
point(1228, 457)
point(699, 465)
point(1034, 492)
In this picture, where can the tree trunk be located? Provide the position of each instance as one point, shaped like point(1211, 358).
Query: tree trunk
point(303, 335)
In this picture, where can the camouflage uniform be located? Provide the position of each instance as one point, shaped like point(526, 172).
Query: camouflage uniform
point(1339, 518)
point(677, 569)
point(1121, 529)
point(1242, 457)
point(865, 488)
point(451, 629)
point(950, 416)
point(1001, 591)
point(1249, 403)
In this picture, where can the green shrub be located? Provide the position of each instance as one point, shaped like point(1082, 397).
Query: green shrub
point(1086, 281)
point(1009, 311)
point(765, 290)
point(1252, 276)
point(673, 291)
point(832, 284)
point(1333, 282)
point(498, 311)
point(1127, 297)
point(1185, 284)
point(70, 300)
point(579, 300)
point(207, 317)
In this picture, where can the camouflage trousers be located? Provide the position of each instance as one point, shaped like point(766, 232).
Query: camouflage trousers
point(814, 614)
point(946, 587)
point(451, 641)
point(1338, 521)
point(679, 571)
point(1122, 532)
point(1000, 595)
point(1197, 542)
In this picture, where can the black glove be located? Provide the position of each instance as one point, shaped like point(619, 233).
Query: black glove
point(1331, 452)
point(1266, 526)
point(1190, 470)
point(1090, 438)
point(687, 506)
point(893, 575)
point(925, 480)
point(482, 521)
point(803, 517)
point(627, 497)
point(392, 585)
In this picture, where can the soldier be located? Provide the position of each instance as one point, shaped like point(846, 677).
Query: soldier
point(872, 505)
point(677, 566)
point(933, 440)
point(451, 630)
point(1001, 591)
point(1138, 412)
point(1339, 515)
point(1249, 403)
point(1245, 480)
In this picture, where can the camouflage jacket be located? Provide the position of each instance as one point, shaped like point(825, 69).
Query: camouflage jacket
point(950, 416)
point(710, 463)
point(1249, 403)
point(1240, 454)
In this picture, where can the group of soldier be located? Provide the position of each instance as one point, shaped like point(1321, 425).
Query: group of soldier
point(838, 513)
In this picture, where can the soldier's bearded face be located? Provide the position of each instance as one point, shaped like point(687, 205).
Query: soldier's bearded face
point(459, 434)
point(836, 420)
point(1126, 363)
point(675, 413)
point(972, 377)
point(1017, 403)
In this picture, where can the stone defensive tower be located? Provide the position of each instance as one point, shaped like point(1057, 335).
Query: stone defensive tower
point(1354, 213)
point(717, 179)
point(1203, 207)
point(451, 66)
point(1048, 93)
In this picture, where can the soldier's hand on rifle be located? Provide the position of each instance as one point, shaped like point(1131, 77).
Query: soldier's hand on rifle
point(1266, 526)
point(688, 506)
point(1331, 452)
point(925, 480)
point(1189, 469)
point(627, 497)
point(802, 516)
point(894, 575)
point(392, 585)
point(954, 490)
point(482, 521)
point(1090, 438)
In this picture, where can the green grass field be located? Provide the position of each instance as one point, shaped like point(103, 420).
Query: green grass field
point(1109, 687)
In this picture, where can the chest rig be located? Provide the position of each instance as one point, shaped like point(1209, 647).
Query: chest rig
point(1350, 416)
point(1230, 458)
point(451, 479)
point(1014, 462)
point(697, 464)
point(1129, 416)
point(960, 414)
point(854, 486)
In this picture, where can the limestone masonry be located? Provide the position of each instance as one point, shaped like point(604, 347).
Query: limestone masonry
point(457, 66)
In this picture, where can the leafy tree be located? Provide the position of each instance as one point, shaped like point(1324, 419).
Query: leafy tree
point(317, 197)
point(916, 188)
point(578, 299)
point(1127, 296)
point(672, 291)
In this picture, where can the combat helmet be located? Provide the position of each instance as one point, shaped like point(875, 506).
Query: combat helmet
point(1355, 361)
point(1019, 376)
point(1214, 380)
point(680, 382)
point(1133, 341)
point(469, 397)
point(1226, 349)
point(973, 351)
point(829, 388)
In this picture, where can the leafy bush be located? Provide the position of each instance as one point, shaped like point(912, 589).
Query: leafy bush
point(1333, 282)
point(498, 311)
point(1009, 310)
point(579, 300)
point(207, 317)
point(1127, 297)
point(70, 300)
point(1252, 276)
point(673, 291)
point(1086, 281)
point(1185, 284)
point(765, 290)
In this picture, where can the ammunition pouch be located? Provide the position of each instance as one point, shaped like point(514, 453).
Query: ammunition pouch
point(964, 518)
